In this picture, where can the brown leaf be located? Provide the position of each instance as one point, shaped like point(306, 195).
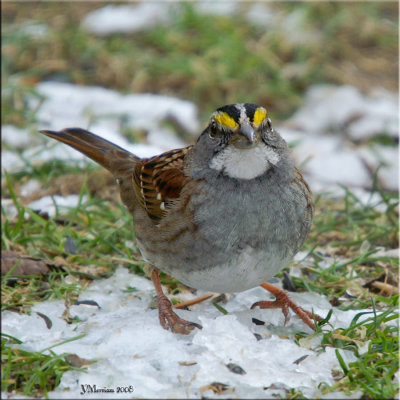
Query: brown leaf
point(25, 265)
point(216, 387)
point(77, 361)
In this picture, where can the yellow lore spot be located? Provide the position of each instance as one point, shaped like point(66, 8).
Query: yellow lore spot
point(225, 120)
point(259, 116)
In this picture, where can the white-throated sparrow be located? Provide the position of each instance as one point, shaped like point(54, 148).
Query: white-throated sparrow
point(223, 215)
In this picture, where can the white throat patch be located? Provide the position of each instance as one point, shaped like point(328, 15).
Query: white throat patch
point(244, 163)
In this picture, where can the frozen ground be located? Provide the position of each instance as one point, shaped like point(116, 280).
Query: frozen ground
point(123, 334)
point(131, 348)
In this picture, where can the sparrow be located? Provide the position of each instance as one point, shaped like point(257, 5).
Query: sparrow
point(225, 214)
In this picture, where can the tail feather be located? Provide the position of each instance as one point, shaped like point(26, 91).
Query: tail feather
point(112, 157)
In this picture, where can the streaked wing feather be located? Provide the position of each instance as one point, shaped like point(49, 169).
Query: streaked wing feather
point(158, 181)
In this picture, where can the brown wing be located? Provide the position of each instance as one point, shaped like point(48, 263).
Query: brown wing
point(158, 181)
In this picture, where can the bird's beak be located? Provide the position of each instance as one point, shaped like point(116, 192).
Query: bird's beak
point(245, 137)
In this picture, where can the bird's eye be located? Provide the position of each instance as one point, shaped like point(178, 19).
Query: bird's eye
point(213, 130)
point(269, 123)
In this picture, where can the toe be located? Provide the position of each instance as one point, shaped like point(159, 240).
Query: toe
point(184, 327)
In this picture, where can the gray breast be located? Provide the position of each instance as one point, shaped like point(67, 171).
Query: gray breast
point(259, 214)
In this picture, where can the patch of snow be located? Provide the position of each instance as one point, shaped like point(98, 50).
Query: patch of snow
point(327, 106)
point(343, 168)
point(346, 109)
point(54, 151)
point(112, 19)
point(50, 204)
point(260, 14)
point(380, 115)
point(371, 125)
point(9, 208)
point(30, 187)
point(165, 139)
point(291, 136)
point(132, 349)
point(367, 198)
point(327, 161)
point(16, 137)
point(387, 159)
point(86, 103)
point(395, 253)
point(11, 161)
point(218, 8)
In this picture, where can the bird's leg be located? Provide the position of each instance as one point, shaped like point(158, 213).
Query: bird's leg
point(283, 301)
point(168, 318)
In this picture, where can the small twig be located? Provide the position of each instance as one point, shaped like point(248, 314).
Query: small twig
point(193, 301)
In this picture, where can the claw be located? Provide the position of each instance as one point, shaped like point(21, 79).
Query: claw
point(170, 320)
point(283, 301)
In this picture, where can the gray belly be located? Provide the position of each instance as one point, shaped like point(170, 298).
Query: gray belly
point(245, 271)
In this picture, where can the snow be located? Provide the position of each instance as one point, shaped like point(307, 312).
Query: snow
point(11, 161)
point(327, 160)
point(15, 137)
point(260, 14)
point(165, 139)
point(380, 115)
point(345, 108)
point(387, 159)
point(219, 8)
point(51, 204)
point(346, 115)
point(85, 103)
point(127, 19)
point(132, 349)
point(32, 186)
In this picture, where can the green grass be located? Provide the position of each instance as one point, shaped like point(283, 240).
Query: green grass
point(98, 231)
point(29, 373)
point(373, 372)
point(344, 241)
point(212, 61)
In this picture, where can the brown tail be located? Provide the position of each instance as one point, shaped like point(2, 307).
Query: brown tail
point(107, 154)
